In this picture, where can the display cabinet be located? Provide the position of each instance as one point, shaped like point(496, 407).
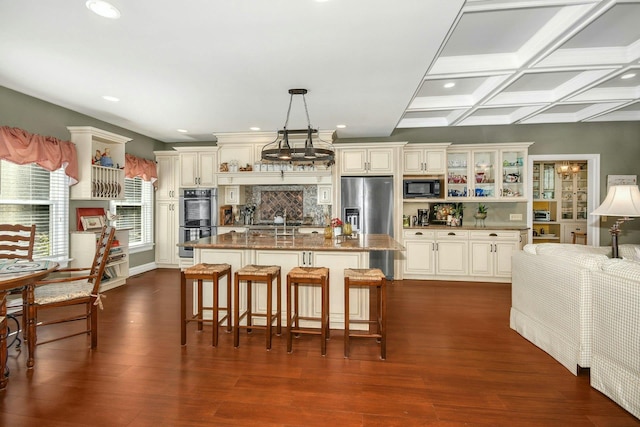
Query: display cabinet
point(573, 194)
point(100, 164)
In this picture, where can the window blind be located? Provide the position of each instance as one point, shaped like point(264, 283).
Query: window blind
point(136, 211)
point(29, 195)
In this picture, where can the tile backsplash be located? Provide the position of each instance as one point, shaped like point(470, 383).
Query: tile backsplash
point(300, 201)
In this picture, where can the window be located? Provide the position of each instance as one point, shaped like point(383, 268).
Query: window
point(136, 212)
point(29, 195)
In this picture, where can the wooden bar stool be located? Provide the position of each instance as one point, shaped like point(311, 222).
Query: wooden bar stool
point(257, 273)
point(200, 272)
point(579, 235)
point(369, 278)
point(307, 276)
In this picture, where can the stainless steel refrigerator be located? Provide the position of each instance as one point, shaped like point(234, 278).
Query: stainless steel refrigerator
point(367, 203)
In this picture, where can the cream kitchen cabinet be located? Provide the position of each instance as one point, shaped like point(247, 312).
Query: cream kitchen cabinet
point(361, 160)
point(490, 252)
point(167, 234)
point(198, 166)
point(419, 254)
point(168, 166)
point(98, 181)
point(430, 254)
point(425, 159)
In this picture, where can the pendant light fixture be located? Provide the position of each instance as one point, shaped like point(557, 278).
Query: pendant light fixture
point(281, 150)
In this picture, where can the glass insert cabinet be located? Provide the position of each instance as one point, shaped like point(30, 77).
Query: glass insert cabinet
point(487, 173)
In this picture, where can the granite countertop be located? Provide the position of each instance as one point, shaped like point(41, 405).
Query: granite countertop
point(311, 242)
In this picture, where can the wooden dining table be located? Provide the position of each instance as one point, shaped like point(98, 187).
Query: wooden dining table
point(17, 280)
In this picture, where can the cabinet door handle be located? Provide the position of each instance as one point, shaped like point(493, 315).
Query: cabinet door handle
point(304, 258)
point(433, 247)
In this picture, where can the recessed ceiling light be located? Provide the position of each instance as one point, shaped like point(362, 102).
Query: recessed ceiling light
point(182, 130)
point(628, 76)
point(254, 128)
point(341, 126)
point(111, 98)
point(104, 9)
point(449, 85)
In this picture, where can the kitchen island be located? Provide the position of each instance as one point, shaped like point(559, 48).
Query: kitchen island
point(288, 251)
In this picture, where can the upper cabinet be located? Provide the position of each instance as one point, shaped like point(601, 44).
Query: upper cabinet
point(168, 165)
point(574, 193)
point(362, 160)
point(425, 159)
point(487, 171)
point(198, 166)
point(100, 163)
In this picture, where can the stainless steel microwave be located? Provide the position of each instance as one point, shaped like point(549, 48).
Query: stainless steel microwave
point(421, 188)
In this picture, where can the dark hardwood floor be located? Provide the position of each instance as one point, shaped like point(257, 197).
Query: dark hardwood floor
point(452, 360)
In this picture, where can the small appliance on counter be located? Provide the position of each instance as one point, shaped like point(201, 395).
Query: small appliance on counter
point(423, 217)
point(541, 215)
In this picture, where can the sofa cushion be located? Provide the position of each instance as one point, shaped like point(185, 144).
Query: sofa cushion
point(629, 251)
point(623, 268)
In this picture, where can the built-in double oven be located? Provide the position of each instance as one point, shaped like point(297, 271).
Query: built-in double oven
point(198, 216)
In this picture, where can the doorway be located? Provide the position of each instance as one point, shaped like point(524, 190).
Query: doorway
point(593, 191)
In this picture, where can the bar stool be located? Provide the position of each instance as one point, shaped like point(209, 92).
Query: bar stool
point(257, 273)
point(579, 235)
point(307, 276)
point(200, 272)
point(369, 278)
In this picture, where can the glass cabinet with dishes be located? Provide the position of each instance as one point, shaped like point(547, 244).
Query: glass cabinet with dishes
point(573, 193)
point(513, 173)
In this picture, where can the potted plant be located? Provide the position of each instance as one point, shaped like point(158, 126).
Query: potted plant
point(481, 214)
point(456, 214)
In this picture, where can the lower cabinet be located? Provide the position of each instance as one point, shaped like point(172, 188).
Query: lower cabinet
point(490, 252)
point(432, 253)
point(456, 254)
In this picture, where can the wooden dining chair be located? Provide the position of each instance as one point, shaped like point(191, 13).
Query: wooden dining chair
point(71, 289)
point(16, 241)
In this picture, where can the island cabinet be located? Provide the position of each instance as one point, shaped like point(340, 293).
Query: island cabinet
point(490, 252)
point(100, 164)
point(435, 253)
point(425, 159)
point(198, 166)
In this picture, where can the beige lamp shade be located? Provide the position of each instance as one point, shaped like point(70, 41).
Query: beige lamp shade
point(621, 201)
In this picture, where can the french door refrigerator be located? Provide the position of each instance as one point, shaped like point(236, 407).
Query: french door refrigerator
point(367, 203)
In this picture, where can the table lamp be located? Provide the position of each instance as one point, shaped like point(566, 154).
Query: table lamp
point(622, 201)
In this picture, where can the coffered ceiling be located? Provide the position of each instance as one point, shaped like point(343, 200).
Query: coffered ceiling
point(533, 62)
point(213, 66)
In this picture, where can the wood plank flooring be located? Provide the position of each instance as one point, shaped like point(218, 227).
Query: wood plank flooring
point(452, 360)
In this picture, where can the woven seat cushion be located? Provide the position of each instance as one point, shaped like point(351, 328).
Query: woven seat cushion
point(308, 272)
point(206, 269)
point(259, 270)
point(57, 292)
point(364, 274)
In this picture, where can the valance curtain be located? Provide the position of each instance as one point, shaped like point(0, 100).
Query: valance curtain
point(143, 168)
point(21, 147)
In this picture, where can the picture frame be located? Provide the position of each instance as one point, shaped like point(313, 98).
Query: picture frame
point(90, 223)
point(226, 215)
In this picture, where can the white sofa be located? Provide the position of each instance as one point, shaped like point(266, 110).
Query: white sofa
point(551, 299)
point(615, 362)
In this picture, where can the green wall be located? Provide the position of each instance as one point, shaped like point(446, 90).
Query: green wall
point(44, 118)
